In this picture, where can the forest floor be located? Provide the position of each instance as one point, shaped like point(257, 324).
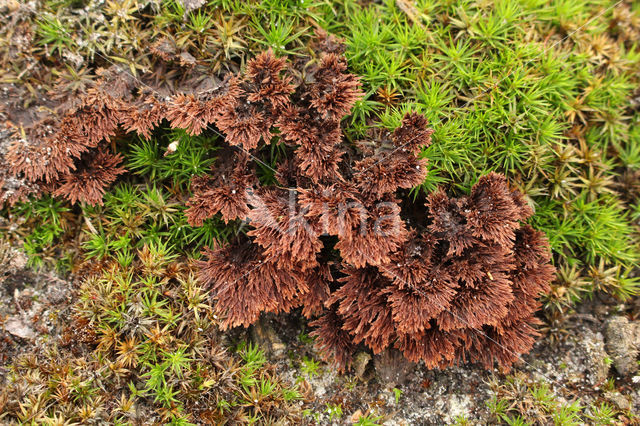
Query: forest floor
point(585, 372)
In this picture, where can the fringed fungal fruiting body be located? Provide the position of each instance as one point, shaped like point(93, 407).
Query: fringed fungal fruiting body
point(461, 285)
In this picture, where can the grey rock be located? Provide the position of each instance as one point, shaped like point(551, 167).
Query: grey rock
point(622, 339)
point(619, 400)
point(582, 357)
point(597, 368)
point(360, 362)
point(17, 327)
point(190, 5)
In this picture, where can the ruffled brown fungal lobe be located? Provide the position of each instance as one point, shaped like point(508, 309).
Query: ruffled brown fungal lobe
point(282, 230)
point(226, 190)
point(96, 170)
point(244, 283)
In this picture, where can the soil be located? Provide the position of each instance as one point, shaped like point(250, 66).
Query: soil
point(34, 307)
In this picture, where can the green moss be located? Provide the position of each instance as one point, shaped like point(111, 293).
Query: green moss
point(142, 346)
point(138, 215)
point(45, 228)
point(517, 400)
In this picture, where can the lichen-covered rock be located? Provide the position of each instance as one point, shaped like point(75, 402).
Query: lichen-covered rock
point(618, 400)
point(622, 339)
point(595, 357)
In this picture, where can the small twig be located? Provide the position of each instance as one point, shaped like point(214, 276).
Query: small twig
point(90, 225)
point(585, 317)
point(410, 10)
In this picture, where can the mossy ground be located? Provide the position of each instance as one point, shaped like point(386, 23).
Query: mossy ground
point(544, 92)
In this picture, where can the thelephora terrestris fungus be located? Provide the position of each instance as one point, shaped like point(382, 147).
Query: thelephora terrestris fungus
point(459, 283)
point(330, 238)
